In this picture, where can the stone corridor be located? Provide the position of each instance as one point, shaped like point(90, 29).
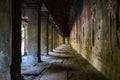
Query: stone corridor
point(59, 39)
point(62, 64)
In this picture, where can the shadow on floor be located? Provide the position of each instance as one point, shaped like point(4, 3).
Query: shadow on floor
point(62, 66)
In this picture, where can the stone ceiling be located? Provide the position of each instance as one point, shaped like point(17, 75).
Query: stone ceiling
point(62, 11)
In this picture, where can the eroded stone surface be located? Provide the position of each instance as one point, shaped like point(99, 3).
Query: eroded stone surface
point(95, 33)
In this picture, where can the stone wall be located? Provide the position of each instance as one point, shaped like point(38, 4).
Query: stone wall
point(95, 34)
point(5, 39)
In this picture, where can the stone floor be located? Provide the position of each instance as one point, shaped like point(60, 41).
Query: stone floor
point(62, 64)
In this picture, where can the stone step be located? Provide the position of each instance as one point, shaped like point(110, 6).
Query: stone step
point(33, 71)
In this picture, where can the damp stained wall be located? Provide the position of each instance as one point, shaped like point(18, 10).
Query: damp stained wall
point(95, 34)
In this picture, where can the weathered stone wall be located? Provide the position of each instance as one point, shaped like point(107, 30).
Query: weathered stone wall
point(5, 39)
point(95, 34)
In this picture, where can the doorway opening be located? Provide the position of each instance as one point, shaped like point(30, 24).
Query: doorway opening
point(66, 40)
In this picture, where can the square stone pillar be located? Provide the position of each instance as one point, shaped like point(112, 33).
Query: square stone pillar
point(31, 11)
point(39, 32)
point(5, 39)
point(44, 32)
point(16, 40)
point(50, 35)
point(54, 36)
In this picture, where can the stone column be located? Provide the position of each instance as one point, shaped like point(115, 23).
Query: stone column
point(31, 11)
point(50, 35)
point(39, 33)
point(54, 36)
point(47, 35)
point(44, 33)
point(5, 39)
point(57, 35)
point(16, 40)
point(60, 37)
